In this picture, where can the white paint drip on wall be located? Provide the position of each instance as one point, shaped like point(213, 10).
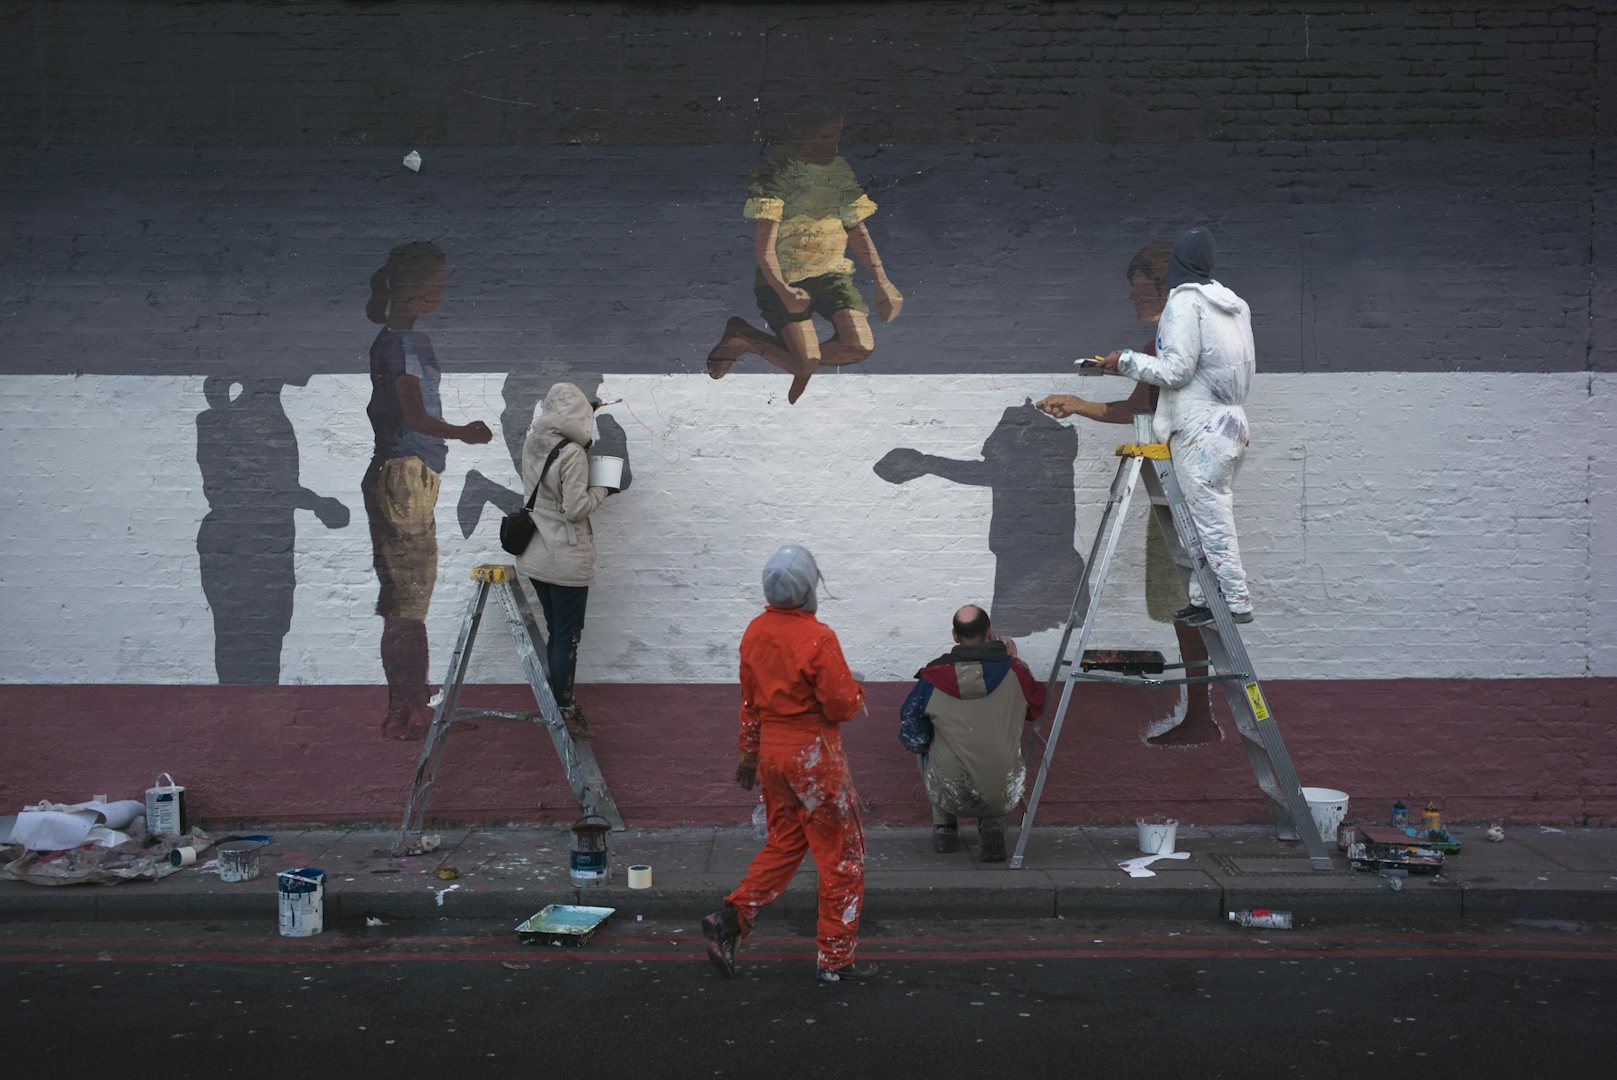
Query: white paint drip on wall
point(1413, 525)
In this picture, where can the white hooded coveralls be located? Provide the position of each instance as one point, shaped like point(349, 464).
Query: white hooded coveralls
point(1204, 364)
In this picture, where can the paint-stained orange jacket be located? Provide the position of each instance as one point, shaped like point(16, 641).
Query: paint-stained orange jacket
point(794, 680)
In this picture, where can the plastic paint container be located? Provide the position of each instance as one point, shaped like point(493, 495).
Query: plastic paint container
point(606, 471)
point(640, 877)
point(1329, 807)
point(1157, 836)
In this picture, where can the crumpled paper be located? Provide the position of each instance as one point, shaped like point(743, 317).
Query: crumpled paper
point(1137, 867)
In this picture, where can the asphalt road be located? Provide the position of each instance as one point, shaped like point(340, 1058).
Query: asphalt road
point(1012, 999)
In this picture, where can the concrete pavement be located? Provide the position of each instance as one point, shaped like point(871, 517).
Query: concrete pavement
point(510, 872)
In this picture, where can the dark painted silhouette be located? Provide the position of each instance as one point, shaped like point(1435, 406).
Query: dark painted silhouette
point(248, 454)
point(1027, 462)
point(523, 391)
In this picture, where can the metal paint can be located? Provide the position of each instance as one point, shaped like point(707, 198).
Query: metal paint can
point(303, 901)
point(587, 864)
point(238, 860)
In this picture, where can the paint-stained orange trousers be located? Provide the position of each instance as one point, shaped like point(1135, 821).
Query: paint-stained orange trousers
point(812, 806)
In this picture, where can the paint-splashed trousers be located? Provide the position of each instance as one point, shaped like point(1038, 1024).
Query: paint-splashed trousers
point(1206, 460)
point(812, 807)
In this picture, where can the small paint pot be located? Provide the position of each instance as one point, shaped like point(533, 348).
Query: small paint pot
point(182, 856)
point(238, 860)
point(640, 877)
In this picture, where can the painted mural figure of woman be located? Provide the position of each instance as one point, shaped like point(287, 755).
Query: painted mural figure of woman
point(809, 210)
point(247, 452)
point(401, 485)
point(1148, 289)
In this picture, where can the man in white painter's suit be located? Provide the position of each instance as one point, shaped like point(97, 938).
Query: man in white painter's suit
point(1204, 363)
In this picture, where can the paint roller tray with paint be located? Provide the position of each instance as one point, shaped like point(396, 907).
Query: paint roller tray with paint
point(563, 924)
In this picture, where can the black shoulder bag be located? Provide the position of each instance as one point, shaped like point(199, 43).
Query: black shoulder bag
point(517, 527)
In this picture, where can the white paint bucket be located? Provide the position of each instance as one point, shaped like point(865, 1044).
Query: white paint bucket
point(238, 860)
point(640, 877)
point(303, 901)
point(1157, 837)
point(1329, 807)
point(1144, 432)
point(165, 806)
point(606, 471)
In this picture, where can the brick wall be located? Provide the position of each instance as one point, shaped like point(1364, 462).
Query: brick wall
point(1416, 198)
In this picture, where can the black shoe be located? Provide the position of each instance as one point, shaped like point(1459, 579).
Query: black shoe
point(991, 834)
point(721, 930)
point(945, 838)
point(854, 972)
point(1194, 616)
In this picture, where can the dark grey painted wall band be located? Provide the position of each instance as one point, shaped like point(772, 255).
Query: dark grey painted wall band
point(1365, 256)
point(374, 74)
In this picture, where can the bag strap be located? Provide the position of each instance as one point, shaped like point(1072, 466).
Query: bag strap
point(549, 461)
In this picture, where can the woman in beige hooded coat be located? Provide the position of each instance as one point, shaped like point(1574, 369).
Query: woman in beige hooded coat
point(560, 560)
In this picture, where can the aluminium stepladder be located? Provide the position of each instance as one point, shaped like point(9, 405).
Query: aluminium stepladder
point(577, 760)
point(1227, 657)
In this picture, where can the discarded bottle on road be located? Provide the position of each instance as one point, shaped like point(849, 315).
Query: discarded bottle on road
point(760, 821)
point(1263, 918)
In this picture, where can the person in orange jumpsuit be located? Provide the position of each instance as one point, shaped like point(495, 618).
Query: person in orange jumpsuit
point(796, 691)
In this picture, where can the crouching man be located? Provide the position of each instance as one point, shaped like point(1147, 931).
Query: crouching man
point(964, 718)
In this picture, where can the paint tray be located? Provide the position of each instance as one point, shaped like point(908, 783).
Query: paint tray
point(563, 924)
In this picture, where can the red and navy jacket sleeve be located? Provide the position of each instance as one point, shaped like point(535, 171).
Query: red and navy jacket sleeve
point(1032, 689)
point(914, 725)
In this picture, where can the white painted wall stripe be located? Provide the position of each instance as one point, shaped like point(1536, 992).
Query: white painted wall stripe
point(1394, 525)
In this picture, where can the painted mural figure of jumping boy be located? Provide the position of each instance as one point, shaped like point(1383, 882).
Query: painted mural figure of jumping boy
point(1204, 363)
point(810, 210)
point(401, 485)
point(796, 693)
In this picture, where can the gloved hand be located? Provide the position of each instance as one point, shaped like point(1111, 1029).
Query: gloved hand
point(747, 773)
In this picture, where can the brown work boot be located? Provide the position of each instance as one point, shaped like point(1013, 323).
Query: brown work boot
point(578, 725)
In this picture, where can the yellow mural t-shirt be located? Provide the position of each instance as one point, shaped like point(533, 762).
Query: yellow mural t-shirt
point(816, 205)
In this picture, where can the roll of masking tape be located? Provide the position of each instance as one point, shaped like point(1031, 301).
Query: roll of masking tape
point(182, 856)
point(639, 877)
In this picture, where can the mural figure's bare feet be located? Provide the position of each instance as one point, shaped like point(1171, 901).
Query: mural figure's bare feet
point(729, 348)
point(801, 379)
point(399, 724)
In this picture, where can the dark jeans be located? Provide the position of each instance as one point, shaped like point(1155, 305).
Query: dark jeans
point(564, 626)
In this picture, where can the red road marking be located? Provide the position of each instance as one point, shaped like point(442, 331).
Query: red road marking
point(689, 954)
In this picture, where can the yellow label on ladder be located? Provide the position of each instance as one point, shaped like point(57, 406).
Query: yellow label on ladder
point(1255, 696)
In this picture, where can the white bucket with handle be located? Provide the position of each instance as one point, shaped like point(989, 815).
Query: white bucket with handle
point(165, 806)
point(606, 471)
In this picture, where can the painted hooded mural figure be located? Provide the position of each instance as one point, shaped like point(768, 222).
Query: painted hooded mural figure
point(1204, 363)
point(796, 692)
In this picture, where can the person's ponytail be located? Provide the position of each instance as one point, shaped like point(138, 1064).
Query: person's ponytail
point(376, 306)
